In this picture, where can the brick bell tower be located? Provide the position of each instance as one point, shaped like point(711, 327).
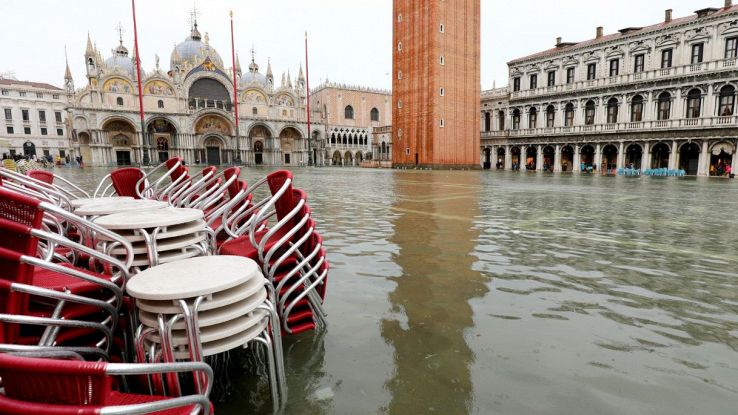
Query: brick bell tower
point(436, 84)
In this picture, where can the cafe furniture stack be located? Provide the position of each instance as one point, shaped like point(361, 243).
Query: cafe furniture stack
point(110, 302)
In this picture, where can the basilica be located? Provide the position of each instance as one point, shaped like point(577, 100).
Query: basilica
point(188, 110)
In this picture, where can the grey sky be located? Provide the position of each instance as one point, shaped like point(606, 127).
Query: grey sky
point(350, 39)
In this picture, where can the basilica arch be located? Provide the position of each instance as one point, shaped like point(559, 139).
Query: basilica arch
point(120, 134)
point(259, 135)
point(290, 143)
point(163, 135)
point(212, 130)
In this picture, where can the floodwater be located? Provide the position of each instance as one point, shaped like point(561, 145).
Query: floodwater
point(515, 293)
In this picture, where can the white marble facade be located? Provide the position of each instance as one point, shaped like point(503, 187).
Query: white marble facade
point(661, 96)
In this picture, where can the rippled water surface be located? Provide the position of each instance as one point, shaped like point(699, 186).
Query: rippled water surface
point(514, 293)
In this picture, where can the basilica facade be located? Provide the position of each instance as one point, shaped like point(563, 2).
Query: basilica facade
point(189, 110)
point(661, 96)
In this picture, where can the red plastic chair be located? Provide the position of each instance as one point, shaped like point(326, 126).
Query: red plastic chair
point(65, 387)
point(42, 175)
point(24, 262)
point(123, 182)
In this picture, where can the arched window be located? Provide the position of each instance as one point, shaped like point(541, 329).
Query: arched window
point(612, 111)
point(333, 138)
point(119, 101)
point(694, 103)
point(501, 120)
point(345, 139)
point(516, 119)
point(348, 113)
point(589, 113)
point(160, 103)
point(664, 106)
point(569, 115)
point(550, 116)
point(636, 109)
point(487, 121)
point(532, 118)
point(374, 114)
point(727, 101)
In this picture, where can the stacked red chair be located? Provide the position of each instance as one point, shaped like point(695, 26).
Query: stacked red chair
point(52, 386)
point(45, 299)
point(280, 235)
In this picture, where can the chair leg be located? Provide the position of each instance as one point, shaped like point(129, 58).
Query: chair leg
point(267, 343)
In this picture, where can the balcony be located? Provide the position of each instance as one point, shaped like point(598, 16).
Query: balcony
point(653, 74)
point(655, 125)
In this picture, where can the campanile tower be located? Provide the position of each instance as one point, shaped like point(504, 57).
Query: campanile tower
point(436, 83)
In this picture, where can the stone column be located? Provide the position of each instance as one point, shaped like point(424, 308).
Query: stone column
point(508, 159)
point(703, 168)
point(598, 157)
point(646, 157)
point(576, 168)
point(557, 159)
point(621, 156)
point(673, 160)
point(539, 158)
point(734, 163)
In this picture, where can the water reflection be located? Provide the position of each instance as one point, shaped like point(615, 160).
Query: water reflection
point(431, 300)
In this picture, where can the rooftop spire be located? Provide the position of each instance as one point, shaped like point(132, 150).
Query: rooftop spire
point(238, 64)
point(194, 33)
point(90, 51)
point(67, 72)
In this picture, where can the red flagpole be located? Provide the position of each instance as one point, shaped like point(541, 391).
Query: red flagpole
point(307, 85)
point(235, 87)
point(144, 143)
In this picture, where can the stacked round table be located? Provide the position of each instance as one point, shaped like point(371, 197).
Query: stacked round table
point(158, 236)
point(200, 307)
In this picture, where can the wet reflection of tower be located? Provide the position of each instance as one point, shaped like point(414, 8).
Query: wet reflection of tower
point(435, 240)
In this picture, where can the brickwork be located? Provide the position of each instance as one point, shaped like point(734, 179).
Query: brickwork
point(436, 83)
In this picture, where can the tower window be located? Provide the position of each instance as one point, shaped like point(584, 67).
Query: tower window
point(443, 92)
point(399, 18)
point(399, 46)
point(399, 75)
point(443, 60)
point(443, 123)
point(442, 29)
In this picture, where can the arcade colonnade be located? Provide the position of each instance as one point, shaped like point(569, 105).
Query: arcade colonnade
point(697, 157)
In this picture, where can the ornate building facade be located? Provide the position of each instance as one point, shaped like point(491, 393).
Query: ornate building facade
point(349, 115)
point(661, 96)
point(189, 110)
point(34, 117)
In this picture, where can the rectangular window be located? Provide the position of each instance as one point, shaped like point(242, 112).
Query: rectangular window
point(39, 95)
point(516, 84)
point(9, 129)
point(532, 119)
point(5, 92)
point(58, 117)
point(552, 78)
point(550, 118)
point(614, 67)
point(640, 61)
point(569, 120)
point(60, 132)
point(443, 92)
point(697, 53)
point(666, 58)
point(25, 115)
point(44, 131)
point(533, 81)
point(55, 96)
point(570, 76)
point(443, 123)
point(27, 130)
point(612, 113)
point(591, 71)
point(22, 93)
point(731, 48)
point(41, 116)
point(442, 29)
point(8, 114)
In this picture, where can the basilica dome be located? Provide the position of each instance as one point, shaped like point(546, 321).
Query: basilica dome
point(253, 77)
point(120, 61)
point(194, 51)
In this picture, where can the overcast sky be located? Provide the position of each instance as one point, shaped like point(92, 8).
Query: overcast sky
point(350, 40)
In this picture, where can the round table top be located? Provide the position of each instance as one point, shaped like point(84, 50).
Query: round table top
point(192, 277)
point(152, 218)
point(85, 201)
point(116, 206)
